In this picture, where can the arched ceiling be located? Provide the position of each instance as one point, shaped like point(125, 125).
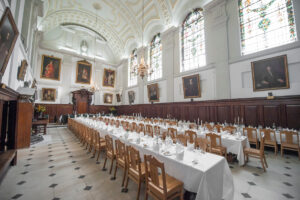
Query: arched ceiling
point(118, 21)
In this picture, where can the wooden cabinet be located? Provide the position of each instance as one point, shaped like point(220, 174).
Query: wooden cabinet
point(24, 123)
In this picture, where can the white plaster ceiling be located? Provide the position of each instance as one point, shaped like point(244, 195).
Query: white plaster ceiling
point(118, 21)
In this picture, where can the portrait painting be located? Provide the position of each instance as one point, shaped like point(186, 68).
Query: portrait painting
point(50, 68)
point(48, 94)
point(22, 70)
point(153, 92)
point(108, 98)
point(8, 36)
point(83, 72)
point(131, 97)
point(109, 78)
point(191, 86)
point(270, 74)
point(118, 98)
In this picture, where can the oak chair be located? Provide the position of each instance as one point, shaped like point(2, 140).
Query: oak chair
point(215, 144)
point(192, 125)
point(291, 141)
point(121, 160)
point(209, 127)
point(230, 129)
point(149, 130)
point(160, 186)
point(218, 127)
point(191, 135)
point(182, 138)
point(256, 153)
point(109, 153)
point(157, 130)
point(141, 128)
point(251, 134)
point(202, 143)
point(134, 127)
point(100, 145)
point(172, 132)
point(136, 169)
point(270, 138)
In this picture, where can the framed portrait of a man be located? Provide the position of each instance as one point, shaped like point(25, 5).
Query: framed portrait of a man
point(83, 72)
point(8, 36)
point(48, 94)
point(109, 78)
point(50, 68)
point(191, 86)
point(153, 92)
point(108, 98)
point(270, 74)
point(131, 97)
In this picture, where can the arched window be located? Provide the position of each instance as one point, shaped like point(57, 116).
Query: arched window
point(132, 75)
point(193, 41)
point(265, 24)
point(155, 58)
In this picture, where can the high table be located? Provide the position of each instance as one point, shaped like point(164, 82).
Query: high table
point(210, 178)
point(36, 125)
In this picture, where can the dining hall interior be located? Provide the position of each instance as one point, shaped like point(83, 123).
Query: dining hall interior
point(149, 99)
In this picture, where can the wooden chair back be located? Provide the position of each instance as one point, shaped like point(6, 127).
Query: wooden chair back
point(153, 170)
point(141, 128)
point(117, 123)
point(269, 134)
point(218, 127)
point(120, 150)
point(193, 126)
point(289, 137)
point(172, 132)
point(149, 130)
point(191, 136)
point(112, 122)
point(201, 143)
point(209, 127)
point(109, 144)
point(251, 133)
point(133, 159)
point(182, 138)
point(230, 129)
point(214, 140)
point(157, 130)
point(134, 126)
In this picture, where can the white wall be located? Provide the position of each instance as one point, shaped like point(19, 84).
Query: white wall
point(67, 82)
point(19, 53)
point(227, 73)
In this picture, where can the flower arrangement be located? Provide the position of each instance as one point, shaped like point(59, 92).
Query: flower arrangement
point(40, 109)
point(112, 109)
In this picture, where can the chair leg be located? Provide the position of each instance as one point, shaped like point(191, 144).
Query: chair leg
point(104, 164)
point(265, 161)
point(139, 189)
point(146, 194)
point(181, 194)
point(98, 154)
point(124, 175)
point(262, 163)
point(116, 168)
point(281, 151)
point(126, 183)
point(111, 165)
point(276, 150)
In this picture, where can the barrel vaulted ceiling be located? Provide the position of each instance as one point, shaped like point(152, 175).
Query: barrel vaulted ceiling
point(118, 21)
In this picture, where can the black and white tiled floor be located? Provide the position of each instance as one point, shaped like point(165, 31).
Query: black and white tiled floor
point(60, 168)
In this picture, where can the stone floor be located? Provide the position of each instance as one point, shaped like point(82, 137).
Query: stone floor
point(60, 168)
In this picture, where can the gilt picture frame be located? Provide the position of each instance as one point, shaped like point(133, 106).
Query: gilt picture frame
point(109, 77)
point(83, 72)
point(153, 92)
point(48, 94)
point(191, 86)
point(50, 68)
point(108, 98)
point(270, 74)
point(8, 37)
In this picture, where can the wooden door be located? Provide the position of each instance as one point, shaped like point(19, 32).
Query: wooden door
point(82, 107)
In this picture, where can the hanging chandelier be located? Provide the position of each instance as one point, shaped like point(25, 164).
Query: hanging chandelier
point(142, 68)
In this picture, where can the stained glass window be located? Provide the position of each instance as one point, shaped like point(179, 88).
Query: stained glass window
point(265, 24)
point(155, 58)
point(132, 75)
point(193, 41)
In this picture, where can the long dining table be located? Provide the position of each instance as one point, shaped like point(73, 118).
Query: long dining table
point(203, 173)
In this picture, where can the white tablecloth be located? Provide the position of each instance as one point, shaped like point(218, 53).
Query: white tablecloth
point(211, 178)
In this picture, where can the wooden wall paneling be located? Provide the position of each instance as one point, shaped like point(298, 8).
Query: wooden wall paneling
point(271, 114)
point(3, 125)
point(293, 116)
point(283, 115)
point(250, 116)
point(223, 114)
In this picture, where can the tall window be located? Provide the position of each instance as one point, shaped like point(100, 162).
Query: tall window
point(132, 75)
point(155, 58)
point(193, 41)
point(265, 24)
